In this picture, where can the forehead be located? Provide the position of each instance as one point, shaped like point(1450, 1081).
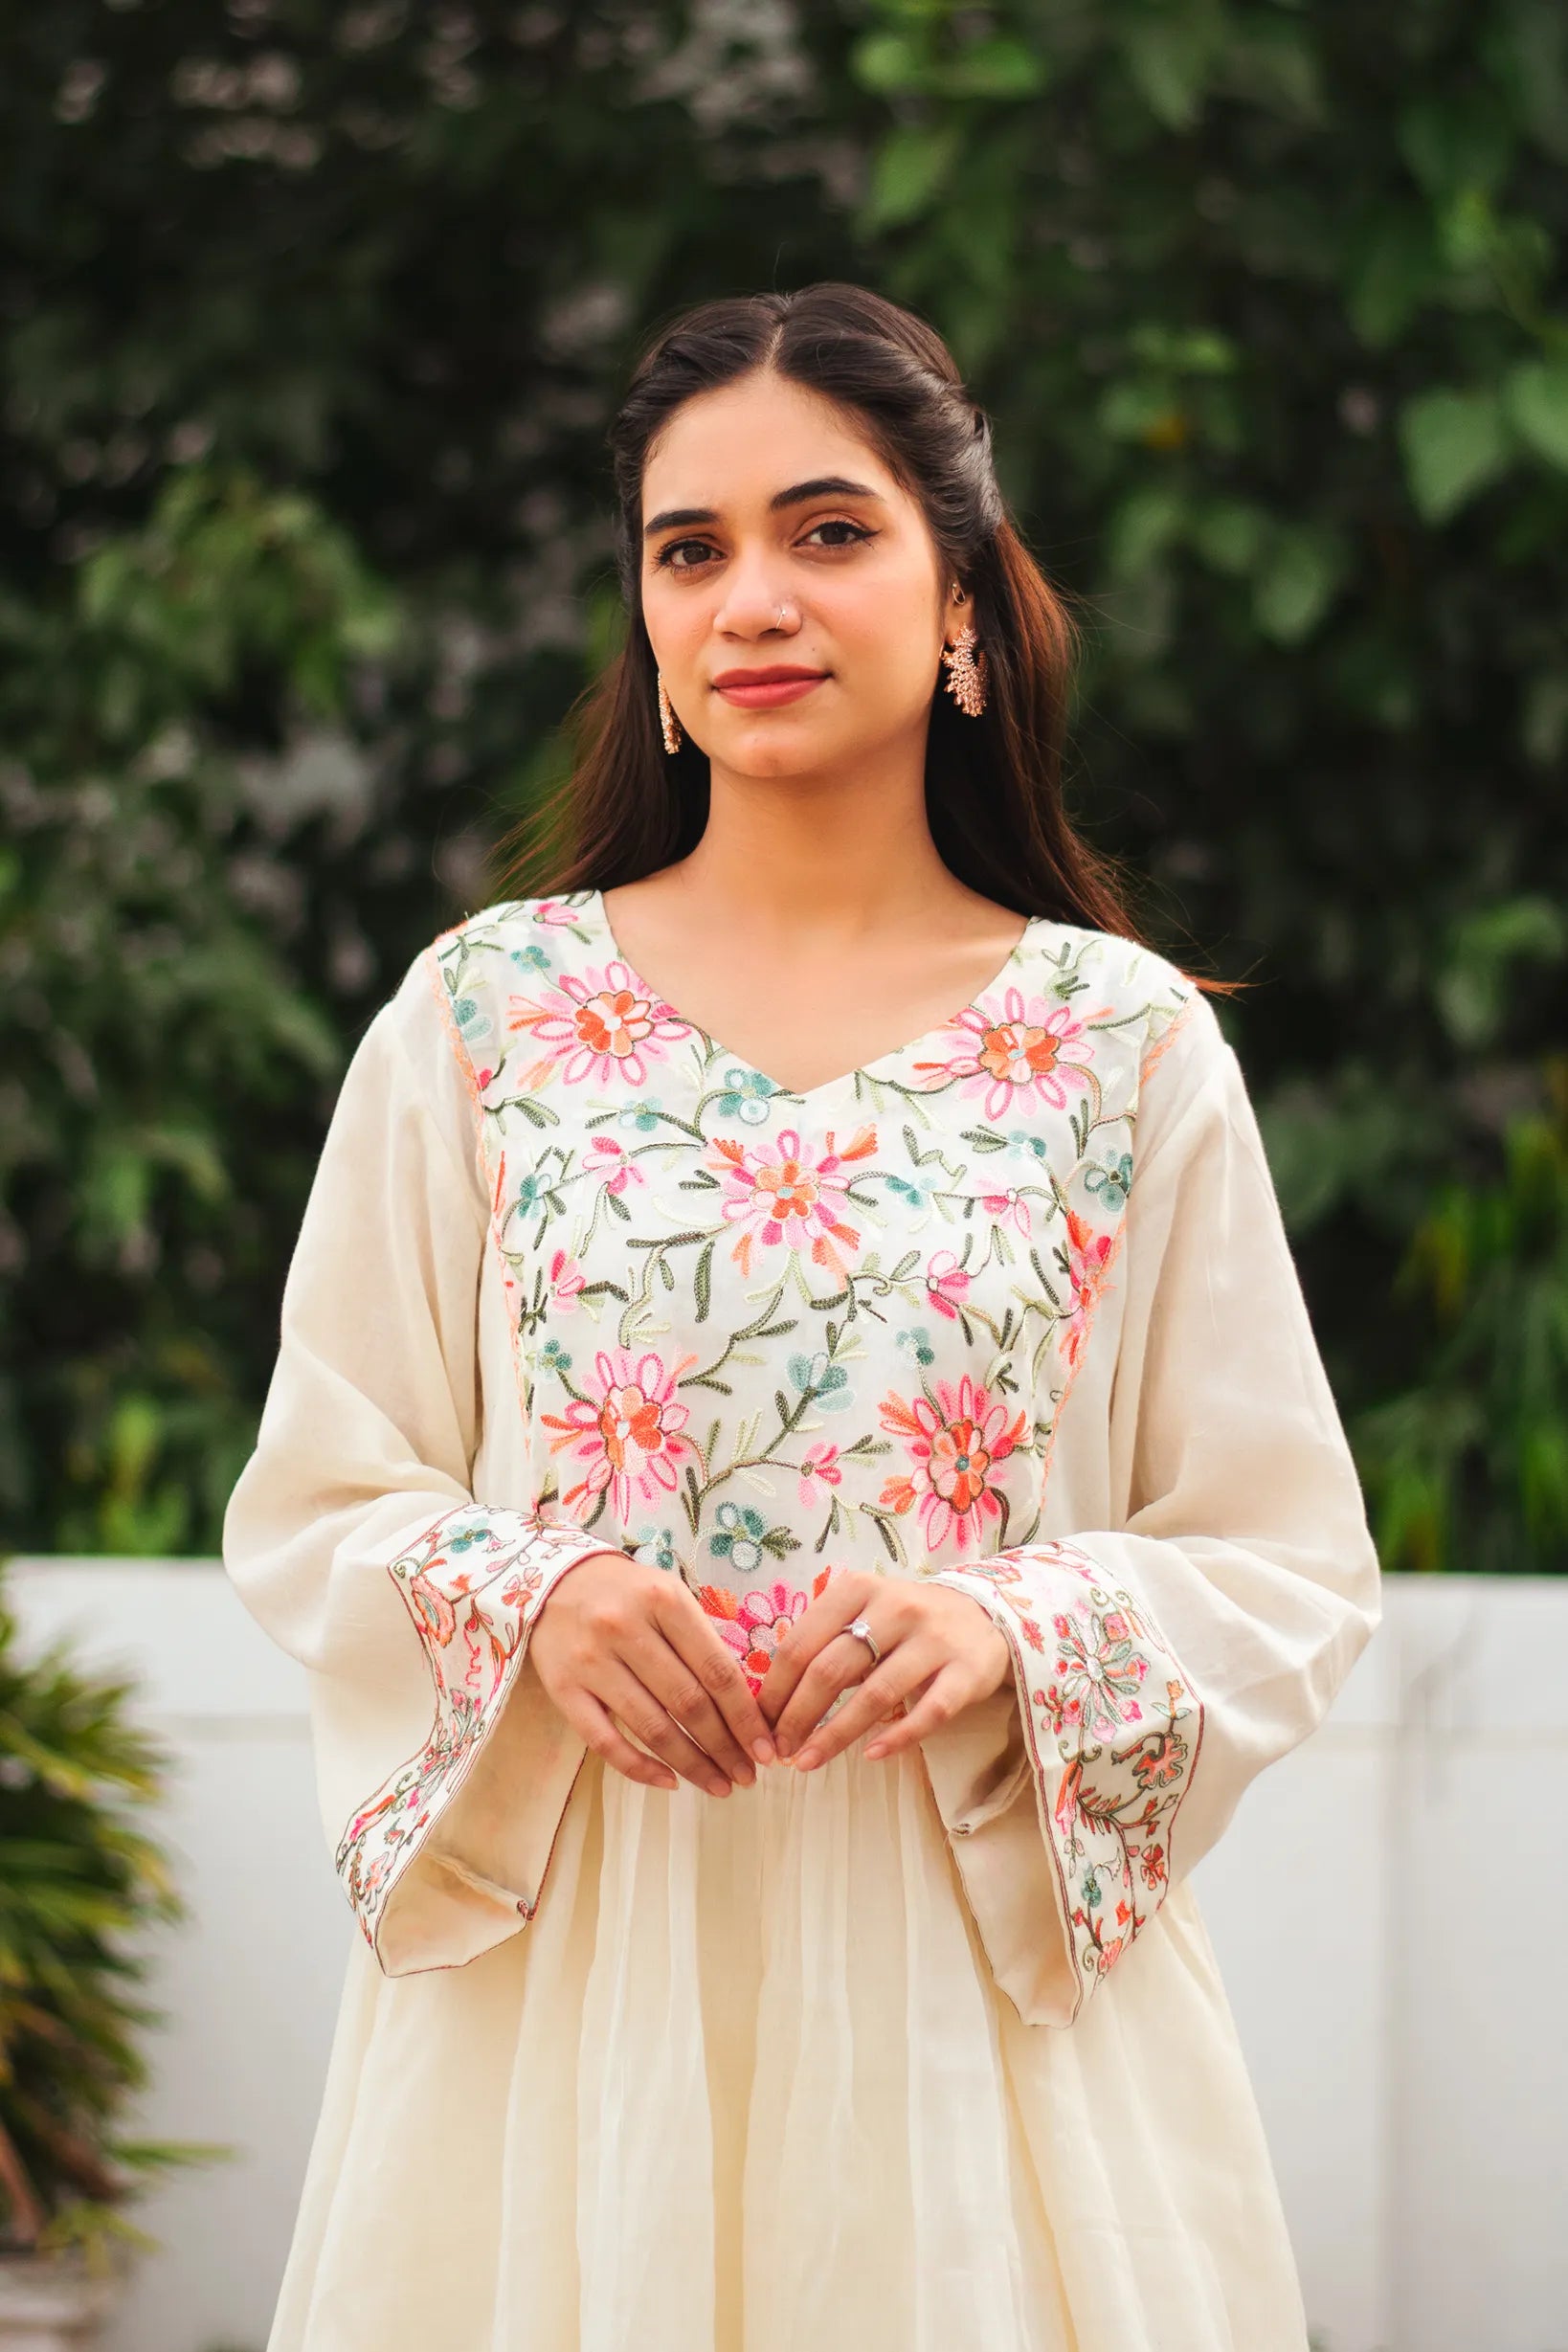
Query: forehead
point(730, 449)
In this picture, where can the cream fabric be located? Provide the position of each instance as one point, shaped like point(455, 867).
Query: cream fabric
point(924, 2052)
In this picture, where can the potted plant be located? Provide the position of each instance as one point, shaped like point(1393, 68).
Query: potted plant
point(79, 1879)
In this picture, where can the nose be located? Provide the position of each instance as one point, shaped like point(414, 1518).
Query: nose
point(755, 599)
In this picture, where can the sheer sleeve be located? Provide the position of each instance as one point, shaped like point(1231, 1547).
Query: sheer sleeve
point(1160, 1663)
point(354, 1539)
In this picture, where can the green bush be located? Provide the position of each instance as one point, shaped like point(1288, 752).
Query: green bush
point(79, 1882)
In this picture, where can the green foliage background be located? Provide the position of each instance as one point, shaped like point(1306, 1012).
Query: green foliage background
point(312, 320)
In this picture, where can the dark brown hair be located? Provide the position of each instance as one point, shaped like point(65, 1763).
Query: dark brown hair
point(993, 797)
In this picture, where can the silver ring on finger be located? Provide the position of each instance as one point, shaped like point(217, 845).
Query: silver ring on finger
point(863, 1633)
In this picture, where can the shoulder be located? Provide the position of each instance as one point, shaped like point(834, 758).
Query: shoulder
point(451, 1001)
point(1119, 983)
point(1159, 1049)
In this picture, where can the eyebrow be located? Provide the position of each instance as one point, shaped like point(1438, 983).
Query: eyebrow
point(826, 485)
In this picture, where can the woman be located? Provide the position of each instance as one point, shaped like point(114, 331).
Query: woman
point(800, 1474)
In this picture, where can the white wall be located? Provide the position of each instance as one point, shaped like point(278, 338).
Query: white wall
point(1390, 1907)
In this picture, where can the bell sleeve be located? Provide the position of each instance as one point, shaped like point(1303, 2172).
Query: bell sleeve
point(354, 1539)
point(1160, 1663)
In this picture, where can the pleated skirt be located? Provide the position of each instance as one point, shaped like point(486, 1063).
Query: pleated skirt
point(746, 2084)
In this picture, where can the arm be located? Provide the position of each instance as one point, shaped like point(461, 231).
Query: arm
point(1159, 1664)
point(353, 1536)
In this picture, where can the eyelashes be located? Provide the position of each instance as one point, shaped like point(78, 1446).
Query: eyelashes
point(664, 560)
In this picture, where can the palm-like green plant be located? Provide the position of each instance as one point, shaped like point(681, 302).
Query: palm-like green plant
point(78, 1881)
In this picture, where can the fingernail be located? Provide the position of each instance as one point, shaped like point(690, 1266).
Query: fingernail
point(786, 1747)
point(763, 1751)
point(807, 1761)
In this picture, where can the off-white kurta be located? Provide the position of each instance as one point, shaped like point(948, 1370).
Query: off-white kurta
point(889, 2057)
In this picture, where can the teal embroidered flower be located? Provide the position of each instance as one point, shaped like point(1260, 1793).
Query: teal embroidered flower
point(1112, 1182)
point(1029, 1142)
point(739, 1539)
point(746, 1094)
point(817, 1376)
point(531, 1192)
point(473, 1023)
point(656, 1545)
point(643, 1116)
point(915, 1343)
point(556, 1359)
point(532, 958)
point(919, 1191)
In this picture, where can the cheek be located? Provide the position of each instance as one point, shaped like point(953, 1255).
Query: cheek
point(888, 635)
point(678, 619)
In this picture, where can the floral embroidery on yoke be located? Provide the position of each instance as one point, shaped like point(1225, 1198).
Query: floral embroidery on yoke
point(762, 1337)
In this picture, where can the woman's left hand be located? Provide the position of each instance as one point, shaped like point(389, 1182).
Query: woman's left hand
point(940, 1650)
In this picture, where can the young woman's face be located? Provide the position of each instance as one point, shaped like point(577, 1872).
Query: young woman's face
point(763, 495)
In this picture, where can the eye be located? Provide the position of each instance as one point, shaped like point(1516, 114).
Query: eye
point(666, 556)
point(840, 523)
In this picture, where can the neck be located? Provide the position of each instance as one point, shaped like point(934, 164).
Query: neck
point(854, 851)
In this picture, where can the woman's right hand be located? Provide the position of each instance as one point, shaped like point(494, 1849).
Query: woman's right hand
point(615, 1637)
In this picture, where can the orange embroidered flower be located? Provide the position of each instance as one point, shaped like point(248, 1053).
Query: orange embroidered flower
point(599, 1023)
point(626, 1433)
point(956, 1438)
point(782, 1196)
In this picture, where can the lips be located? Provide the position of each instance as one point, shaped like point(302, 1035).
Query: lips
point(761, 690)
point(773, 676)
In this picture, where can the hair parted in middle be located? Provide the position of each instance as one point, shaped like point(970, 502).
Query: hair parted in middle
point(994, 785)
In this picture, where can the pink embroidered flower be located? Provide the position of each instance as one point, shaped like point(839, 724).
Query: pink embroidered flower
point(820, 1464)
point(1089, 1262)
point(779, 1194)
point(566, 1279)
point(946, 1284)
point(954, 1444)
point(600, 1023)
point(1037, 1049)
point(625, 1433)
point(1010, 1208)
point(613, 1164)
point(752, 1625)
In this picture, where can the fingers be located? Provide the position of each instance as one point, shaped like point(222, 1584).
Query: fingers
point(715, 1701)
point(627, 1696)
point(841, 1661)
point(812, 1632)
point(948, 1692)
point(901, 1676)
point(592, 1723)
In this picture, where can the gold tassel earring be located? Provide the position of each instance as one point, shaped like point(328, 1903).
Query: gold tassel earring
point(966, 678)
point(668, 718)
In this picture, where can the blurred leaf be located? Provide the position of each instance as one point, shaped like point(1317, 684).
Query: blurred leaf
point(1454, 446)
point(908, 173)
point(1535, 403)
point(1473, 986)
point(1170, 57)
point(1295, 580)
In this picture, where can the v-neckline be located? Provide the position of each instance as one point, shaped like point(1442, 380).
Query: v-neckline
point(614, 954)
